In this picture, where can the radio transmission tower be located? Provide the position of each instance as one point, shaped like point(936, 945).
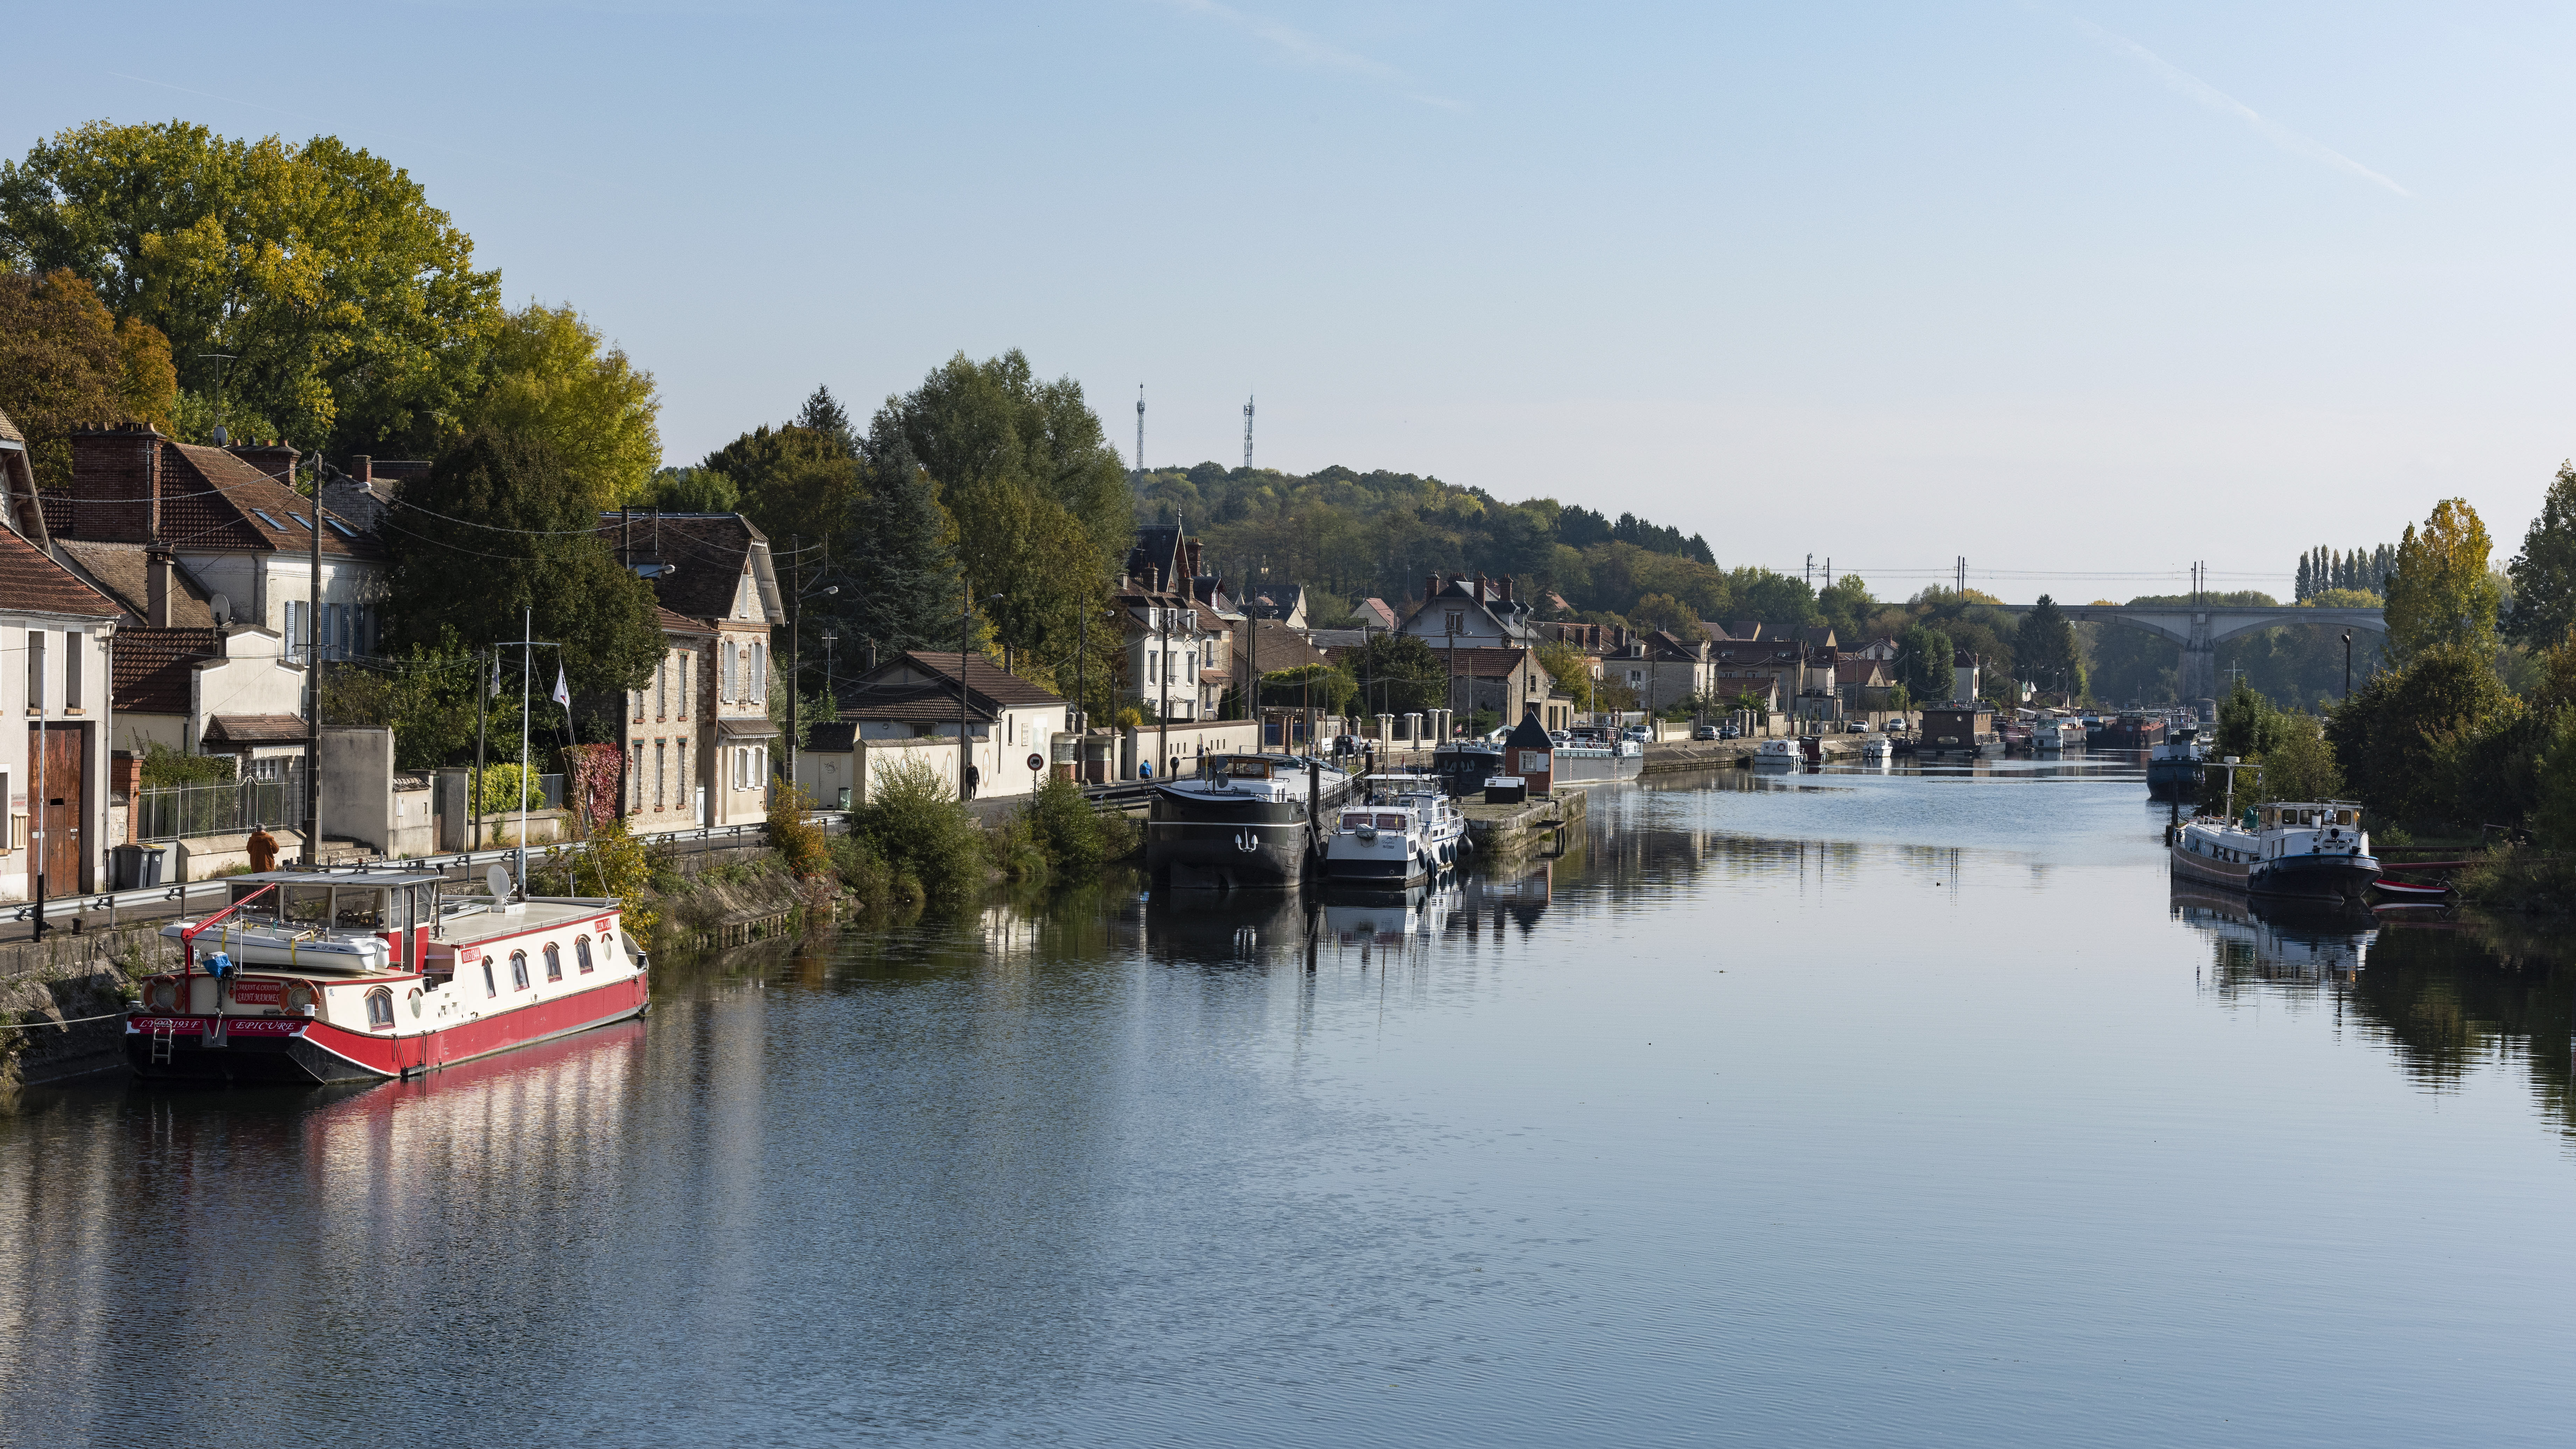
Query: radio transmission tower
point(1247, 435)
point(1140, 427)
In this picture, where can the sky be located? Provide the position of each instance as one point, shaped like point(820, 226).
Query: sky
point(2082, 293)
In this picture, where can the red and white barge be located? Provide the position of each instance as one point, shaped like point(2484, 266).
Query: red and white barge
point(310, 977)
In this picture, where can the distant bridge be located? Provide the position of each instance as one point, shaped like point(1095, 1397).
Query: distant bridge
point(2199, 627)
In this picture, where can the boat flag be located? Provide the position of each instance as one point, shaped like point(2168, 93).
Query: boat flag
point(563, 692)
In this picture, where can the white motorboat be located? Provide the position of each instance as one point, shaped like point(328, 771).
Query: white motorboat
point(1403, 829)
point(1777, 754)
point(1877, 750)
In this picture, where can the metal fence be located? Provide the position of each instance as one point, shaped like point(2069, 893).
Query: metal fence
point(230, 807)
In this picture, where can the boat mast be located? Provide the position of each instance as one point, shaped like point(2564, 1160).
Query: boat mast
point(527, 672)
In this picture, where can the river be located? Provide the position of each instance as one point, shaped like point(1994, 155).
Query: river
point(1819, 1109)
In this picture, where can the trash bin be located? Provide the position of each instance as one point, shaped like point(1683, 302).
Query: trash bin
point(133, 867)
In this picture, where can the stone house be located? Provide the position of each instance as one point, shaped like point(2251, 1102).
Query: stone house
point(1009, 721)
point(54, 772)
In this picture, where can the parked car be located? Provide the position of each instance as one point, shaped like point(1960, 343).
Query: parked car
point(1855, 727)
point(1705, 732)
point(1730, 733)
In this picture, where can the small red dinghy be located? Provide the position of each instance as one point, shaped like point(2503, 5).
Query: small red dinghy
point(2410, 891)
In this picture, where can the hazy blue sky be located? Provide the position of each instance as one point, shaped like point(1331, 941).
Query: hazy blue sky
point(2101, 287)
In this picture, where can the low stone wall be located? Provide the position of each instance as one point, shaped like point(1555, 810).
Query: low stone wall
point(63, 1000)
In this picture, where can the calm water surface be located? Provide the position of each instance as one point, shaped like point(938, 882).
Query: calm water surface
point(1851, 1108)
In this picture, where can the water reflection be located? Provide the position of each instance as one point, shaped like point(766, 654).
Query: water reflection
point(2448, 998)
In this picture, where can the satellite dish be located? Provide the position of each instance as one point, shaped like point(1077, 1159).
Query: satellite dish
point(497, 881)
point(222, 609)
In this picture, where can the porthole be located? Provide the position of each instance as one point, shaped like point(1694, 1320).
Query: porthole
point(415, 1005)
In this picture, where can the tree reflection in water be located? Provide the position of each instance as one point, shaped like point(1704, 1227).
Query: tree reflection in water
point(2446, 996)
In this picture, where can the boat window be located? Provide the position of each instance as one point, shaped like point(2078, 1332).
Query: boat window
point(1247, 769)
point(581, 951)
point(518, 971)
point(424, 905)
point(380, 1009)
point(1354, 820)
point(488, 988)
point(2347, 817)
point(360, 908)
point(554, 962)
point(305, 905)
point(1390, 822)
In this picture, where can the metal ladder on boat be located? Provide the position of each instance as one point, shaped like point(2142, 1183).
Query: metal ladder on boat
point(165, 1039)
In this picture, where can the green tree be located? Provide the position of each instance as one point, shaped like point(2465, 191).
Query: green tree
point(345, 307)
point(2045, 652)
point(795, 484)
point(690, 490)
point(427, 698)
point(1039, 497)
point(2389, 735)
point(824, 417)
point(551, 376)
point(902, 578)
point(66, 364)
point(1923, 663)
point(2441, 593)
point(1399, 674)
point(498, 527)
point(2544, 573)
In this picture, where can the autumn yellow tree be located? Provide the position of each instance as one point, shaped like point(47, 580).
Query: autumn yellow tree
point(550, 375)
point(2442, 592)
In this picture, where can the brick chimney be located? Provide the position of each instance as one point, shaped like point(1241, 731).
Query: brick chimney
point(156, 587)
point(1507, 588)
point(1480, 587)
point(1430, 587)
point(116, 493)
point(363, 468)
point(277, 460)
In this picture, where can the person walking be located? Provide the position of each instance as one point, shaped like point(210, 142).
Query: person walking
point(263, 849)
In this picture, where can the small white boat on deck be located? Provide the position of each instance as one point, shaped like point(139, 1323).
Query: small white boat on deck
point(1400, 831)
point(1878, 751)
point(1777, 754)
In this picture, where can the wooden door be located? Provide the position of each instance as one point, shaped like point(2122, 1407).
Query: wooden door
point(57, 810)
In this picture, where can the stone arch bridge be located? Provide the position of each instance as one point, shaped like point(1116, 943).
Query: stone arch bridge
point(2199, 627)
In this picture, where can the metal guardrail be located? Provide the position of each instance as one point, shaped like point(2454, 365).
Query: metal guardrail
point(708, 837)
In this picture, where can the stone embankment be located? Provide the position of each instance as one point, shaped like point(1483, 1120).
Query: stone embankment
point(1500, 832)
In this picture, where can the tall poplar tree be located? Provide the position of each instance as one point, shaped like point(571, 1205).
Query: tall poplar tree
point(2440, 592)
point(2544, 573)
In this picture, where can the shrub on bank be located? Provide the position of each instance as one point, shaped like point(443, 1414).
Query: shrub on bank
point(797, 839)
point(916, 827)
point(1069, 832)
point(2520, 878)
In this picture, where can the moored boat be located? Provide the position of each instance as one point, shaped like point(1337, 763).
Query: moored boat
point(1877, 750)
point(2307, 850)
point(315, 977)
point(1243, 821)
point(2056, 735)
point(2173, 767)
point(1585, 758)
point(1777, 754)
point(1400, 830)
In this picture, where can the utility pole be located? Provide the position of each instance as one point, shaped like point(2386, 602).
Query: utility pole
point(313, 676)
point(2347, 664)
point(483, 688)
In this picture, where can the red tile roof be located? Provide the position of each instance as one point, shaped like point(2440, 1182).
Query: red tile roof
point(33, 583)
point(152, 667)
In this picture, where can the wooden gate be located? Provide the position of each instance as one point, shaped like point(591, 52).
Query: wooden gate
point(58, 809)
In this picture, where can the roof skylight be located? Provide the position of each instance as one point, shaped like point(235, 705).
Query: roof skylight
point(262, 515)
